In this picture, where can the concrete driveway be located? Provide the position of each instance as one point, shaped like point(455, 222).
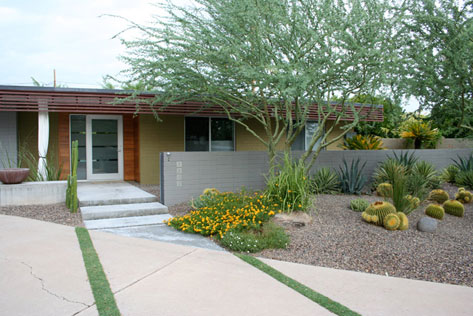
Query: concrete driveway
point(42, 273)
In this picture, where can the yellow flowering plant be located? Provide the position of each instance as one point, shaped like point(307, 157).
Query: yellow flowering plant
point(226, 211)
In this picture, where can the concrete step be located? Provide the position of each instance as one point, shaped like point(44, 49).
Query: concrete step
point(122, 210)
point(111, 193)
point(126, 221)
point(117, 200)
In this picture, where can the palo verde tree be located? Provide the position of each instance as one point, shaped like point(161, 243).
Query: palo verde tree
point(439, 55)
point(270, 62)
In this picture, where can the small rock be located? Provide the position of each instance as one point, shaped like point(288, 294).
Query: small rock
point(427, 224)
point(297, 219)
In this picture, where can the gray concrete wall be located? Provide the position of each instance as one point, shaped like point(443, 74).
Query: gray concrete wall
point(445, 143)
point(33, 193)
point(186, 174)
point(8, 139)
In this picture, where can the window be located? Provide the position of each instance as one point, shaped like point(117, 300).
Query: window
point(78, 123)
point(302, 140)
point(209, 134)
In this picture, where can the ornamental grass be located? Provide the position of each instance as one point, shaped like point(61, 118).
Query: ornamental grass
point(226, 211)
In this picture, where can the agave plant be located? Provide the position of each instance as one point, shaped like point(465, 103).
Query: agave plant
point(387, 170)
point(464, 164)
point(360, 142)
point(351, 177)
point(465, 178)
point(408, 160)
point(427, 172)
point(325, 181)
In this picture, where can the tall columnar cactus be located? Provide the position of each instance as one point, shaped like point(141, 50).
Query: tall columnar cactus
point(463, 196)
point(435, 211)
point(71, 193)
point(454, 208)
point(391, 222)
point(404, 225)
point(376, 212)
point(438, 196)
point(385, 189)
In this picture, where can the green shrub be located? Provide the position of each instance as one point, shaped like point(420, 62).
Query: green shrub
point(227, 211)
point(405, 159)
point(289, 185)
point(325, 181)
point(465, 178)
point(416, 186)
point(427, 172)
point(205, 199)
point(351, 177)
point(359, 205)
point(449, 174)
point(400, 198)
point(270, 236)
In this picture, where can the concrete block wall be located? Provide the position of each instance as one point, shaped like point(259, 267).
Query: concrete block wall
point(8, 139)
point(186, 174)
point(33, 193)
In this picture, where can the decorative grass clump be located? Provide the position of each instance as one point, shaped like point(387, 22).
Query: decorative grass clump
point(377, 211)
point(391, 221)
point(359, 205)
point(454, 208)
point(227, 211)
point(435, 211)
point(385, 189)
point(439, 196)
point(463, 196)
point(404, 224)
point(325, 181)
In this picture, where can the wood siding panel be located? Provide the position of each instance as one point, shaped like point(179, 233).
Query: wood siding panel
point(128, 148)
point(136, 127)
point(63, 144)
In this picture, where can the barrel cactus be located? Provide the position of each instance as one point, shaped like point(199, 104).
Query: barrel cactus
point(463, 196)
point(414, 201)
point(376, 212)
point(391, 221)
point(404, 224)
point(435, 211)
point(359, 205)
point(438, 196)
point(385, 189)
point(454, 208)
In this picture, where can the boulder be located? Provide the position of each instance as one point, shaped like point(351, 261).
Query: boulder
point(427, 224)
point(297, 219)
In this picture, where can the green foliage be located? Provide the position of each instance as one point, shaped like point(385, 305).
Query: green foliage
point(205, 199)
point(392, 112)
point(351, 177)
point(359, 205)
point(465, 178)
point(224, 212)
point(289, 185)
point(454, 208)
point(72, 201)
point(435, 211)
point(360, 142)
point(269, 236)
point(406, 159)
point(377, 211)
point(463, 196)
point(386, 171)
point(384, 189)
point(427, 172)
point(269, 60)
point(449, 174)
point(439, 196)
point(400, 197)
point(404, 225)
point(464, 164)
point(325, 181)
point(437, 52)
point(391, 221)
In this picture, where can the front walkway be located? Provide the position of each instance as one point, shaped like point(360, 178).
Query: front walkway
point(42, 273)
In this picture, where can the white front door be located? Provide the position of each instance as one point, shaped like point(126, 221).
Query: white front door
point(104, 147)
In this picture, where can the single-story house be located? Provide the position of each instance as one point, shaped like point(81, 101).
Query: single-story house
point(117, 141)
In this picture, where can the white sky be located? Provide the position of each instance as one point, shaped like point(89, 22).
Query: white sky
point(71, 37)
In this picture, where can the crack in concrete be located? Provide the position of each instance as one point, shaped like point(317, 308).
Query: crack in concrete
point(157, 270)
point(43, 287)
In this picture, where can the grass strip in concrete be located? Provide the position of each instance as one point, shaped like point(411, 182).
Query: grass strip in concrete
point(104, 298)
point(316, 297)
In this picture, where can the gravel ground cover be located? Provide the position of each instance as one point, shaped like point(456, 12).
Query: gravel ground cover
point(338, 238)
point(55, 213)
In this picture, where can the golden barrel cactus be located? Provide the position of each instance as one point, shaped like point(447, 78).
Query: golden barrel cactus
point(454, 207)
point(435, 211)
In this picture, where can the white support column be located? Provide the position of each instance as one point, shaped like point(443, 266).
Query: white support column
point(43, 137)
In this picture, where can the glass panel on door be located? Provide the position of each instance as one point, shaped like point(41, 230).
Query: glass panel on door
point(104, 146)
point(78, 133)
